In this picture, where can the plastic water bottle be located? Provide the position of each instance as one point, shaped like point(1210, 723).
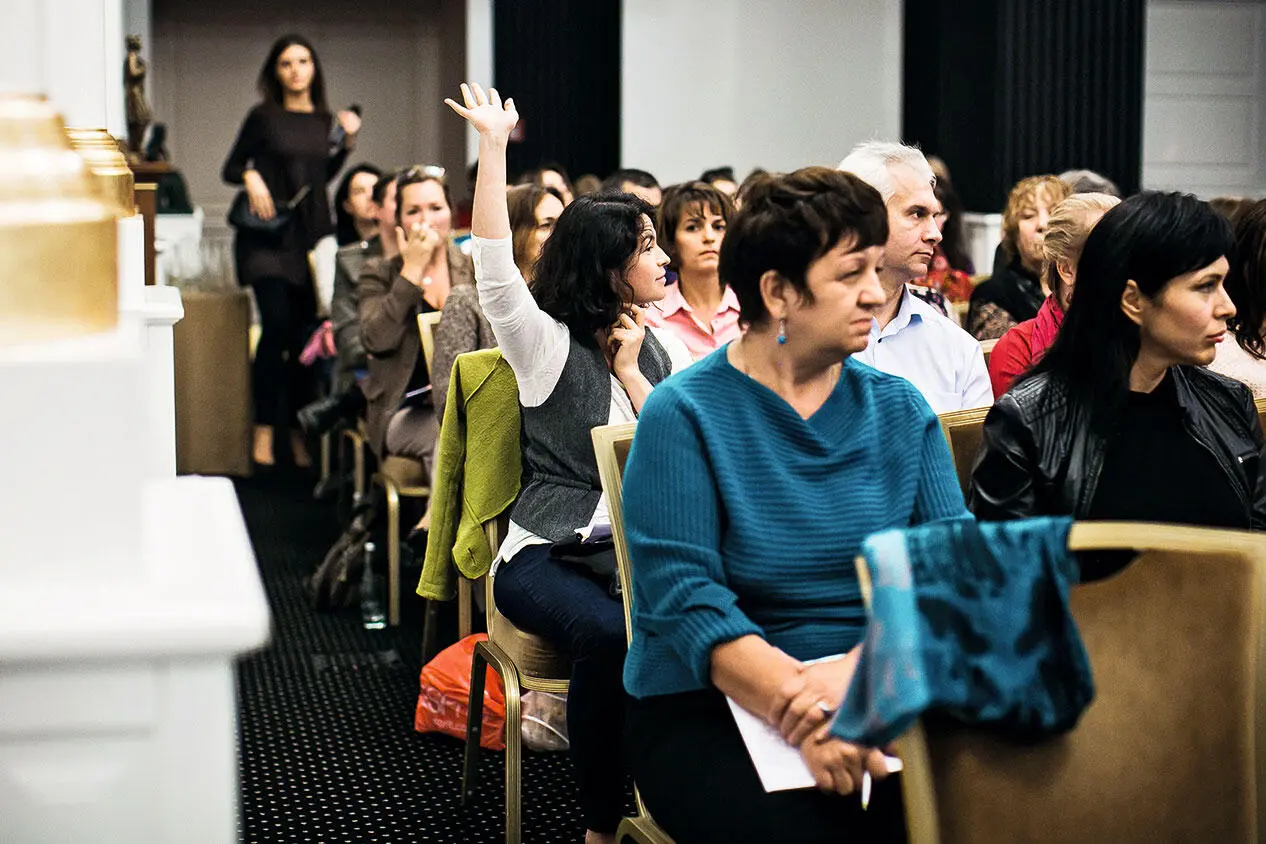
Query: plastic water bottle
point(371, 614)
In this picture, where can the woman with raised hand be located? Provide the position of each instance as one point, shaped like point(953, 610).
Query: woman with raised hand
point(1120, 420)
point(753, 479)
point(583, 356)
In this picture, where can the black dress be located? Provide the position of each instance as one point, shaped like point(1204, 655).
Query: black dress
point(290, 150)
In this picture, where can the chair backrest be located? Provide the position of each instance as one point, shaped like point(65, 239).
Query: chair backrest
point(1261, 412)
point(986, 346)
point(611, 444)
point(963, 430)
point(1172, 747)
point(426, 328)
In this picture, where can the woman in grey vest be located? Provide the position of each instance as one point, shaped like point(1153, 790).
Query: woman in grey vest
point(583, 357)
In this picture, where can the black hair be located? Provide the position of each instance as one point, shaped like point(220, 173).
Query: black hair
point(1150, 239)
point(384, 181)
point(1246, 283)
point(615, 182)
point(954, 233)
point(344, 226)
point(718, 174)
point(270, 86)
point(789, 221)
point(580, 276)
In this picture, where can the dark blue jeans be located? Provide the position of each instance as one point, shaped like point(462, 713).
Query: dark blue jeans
point(574, 611)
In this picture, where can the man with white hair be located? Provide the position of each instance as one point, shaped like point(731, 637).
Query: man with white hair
point(908, 337)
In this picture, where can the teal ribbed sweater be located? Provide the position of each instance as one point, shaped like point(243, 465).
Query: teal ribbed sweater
point(742, 517)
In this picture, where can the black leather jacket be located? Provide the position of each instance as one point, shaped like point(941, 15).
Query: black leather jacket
point(1039, 455)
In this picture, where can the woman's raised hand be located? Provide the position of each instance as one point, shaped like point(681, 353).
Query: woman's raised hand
point(485, 111)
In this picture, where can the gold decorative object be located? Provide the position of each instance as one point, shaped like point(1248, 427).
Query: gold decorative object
point(58, 237)
point(108, 166)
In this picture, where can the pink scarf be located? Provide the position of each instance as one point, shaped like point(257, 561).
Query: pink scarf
point(1045, 326)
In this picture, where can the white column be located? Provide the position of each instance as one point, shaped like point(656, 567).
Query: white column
point(70, 50)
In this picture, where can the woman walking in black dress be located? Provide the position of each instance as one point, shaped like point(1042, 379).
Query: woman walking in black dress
point(289, 147)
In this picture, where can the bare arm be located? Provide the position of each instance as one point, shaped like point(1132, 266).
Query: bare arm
point(494, 121)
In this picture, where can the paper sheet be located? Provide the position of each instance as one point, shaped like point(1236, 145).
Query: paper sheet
point(779, 765)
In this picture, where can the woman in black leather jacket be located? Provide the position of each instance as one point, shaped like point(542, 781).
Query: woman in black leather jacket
point(1119, 420)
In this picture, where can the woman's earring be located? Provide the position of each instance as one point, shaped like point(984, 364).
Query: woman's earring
point(782, 332)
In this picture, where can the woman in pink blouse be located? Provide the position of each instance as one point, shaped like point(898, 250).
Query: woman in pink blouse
point(699, 309)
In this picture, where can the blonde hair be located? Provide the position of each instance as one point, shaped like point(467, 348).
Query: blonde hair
point(1026, 194)
point(1066, 233)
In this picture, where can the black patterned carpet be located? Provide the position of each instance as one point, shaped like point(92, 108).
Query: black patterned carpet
point(326, 741)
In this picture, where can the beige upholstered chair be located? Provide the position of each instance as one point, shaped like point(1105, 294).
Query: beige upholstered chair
point(986, 346)
point(399, 478)
point(524, 662)
point(611, 445)
point(1261, 412)
point(1173, 747)
point(963, 431)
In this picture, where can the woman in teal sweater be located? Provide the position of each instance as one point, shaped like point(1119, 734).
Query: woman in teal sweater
point(753, 479)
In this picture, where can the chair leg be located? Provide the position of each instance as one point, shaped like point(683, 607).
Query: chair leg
point(514, 757)
point(464, 621)
point(474, 722)
point(325, 457)
point(430, 630)
point(393, 551)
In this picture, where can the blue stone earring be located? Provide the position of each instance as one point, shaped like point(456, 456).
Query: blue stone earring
point(782, 332)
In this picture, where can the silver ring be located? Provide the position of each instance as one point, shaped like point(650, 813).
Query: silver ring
point(826, 709)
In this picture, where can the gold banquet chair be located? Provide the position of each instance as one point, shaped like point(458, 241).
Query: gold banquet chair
point(963, 431)
point(524, 662)
point(986, 346)
point(399, 478)
point(1173, 748)
point(1261, 413)
point(611, 445)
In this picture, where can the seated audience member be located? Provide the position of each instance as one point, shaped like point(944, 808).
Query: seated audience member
point(751, 178)
point(393, 291)
point(347, 401)
point(721, 178)
point(1229, 206)
point(578, 345)
point(1242, 355)
point(637, 182)
point(587, 183)
point(1088, 181)
point(753, 479)
point(551, 175)
point(950, 271)
point(534, 212)
point(701, 311)
point(909, 337)
point(354, 217)
point(1014, 292)
point(1070, 224)
point(1120, 420)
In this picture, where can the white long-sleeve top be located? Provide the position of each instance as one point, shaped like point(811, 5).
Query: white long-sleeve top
point(536, 346)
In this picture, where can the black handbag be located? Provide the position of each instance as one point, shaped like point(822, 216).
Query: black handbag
point(241, 218)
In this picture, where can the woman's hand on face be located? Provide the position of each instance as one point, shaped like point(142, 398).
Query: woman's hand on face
point(350, 121)
point(257, 193)
point(485, 111)
point(417, 248)
point(806, 701)
point(838, 765)
point(625, 342)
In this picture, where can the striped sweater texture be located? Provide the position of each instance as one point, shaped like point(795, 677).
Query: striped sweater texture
point(744, 518)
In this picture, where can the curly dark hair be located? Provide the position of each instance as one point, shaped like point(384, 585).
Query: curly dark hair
point(1246, 283)
point(580, 276)
point(789, 221)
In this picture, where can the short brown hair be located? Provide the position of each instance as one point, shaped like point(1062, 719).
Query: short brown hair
point(789, 221)
point(416, 175)
point(679, 201)
point(1026, 194)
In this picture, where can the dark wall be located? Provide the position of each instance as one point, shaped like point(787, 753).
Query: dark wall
point(560, 61)
point(1003, 89)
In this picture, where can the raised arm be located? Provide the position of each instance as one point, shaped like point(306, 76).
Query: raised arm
point(494, 121)
point(534, 343)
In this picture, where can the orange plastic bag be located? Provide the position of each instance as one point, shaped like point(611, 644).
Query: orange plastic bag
point(445, 692)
